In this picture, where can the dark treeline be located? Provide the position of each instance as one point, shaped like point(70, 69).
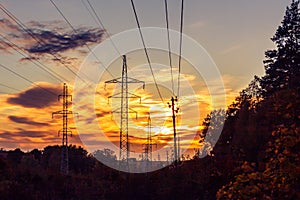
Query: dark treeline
point(256, 157)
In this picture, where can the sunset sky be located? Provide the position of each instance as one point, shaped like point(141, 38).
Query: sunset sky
point(234, 33)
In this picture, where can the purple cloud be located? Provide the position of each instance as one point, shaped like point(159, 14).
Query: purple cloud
point(49, 37)
point(54, 42)
point(25, 120)
point(36, 97)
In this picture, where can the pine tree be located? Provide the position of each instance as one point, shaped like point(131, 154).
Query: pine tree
point(282, 64)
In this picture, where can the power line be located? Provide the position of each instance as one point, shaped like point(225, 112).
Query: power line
point(74, 30)
point(169, 44)
point(100, 23)
point(40, 65)
point(94, 18)
point(145, 49)
point(38, 40)
point(180, 47)
point(9, 87)
point(26, 79)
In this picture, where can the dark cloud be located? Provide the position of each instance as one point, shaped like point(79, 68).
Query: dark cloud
point(4, 47)
point(6, 25)
point(82, 52)
point(31, 58)
point(36, 97)
point(25, 120)
point(54, 42)
point(39, 24)
point(50, 37)
point(103, 114)
point(23, 133)
point(64, 59)
point(32, 134)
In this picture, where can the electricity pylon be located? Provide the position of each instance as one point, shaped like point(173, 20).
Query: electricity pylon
point(148, 145)
point(174, 112)
point(124, 109)
point(67, 99)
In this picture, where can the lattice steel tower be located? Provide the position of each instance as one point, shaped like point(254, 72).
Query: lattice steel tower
point(66, 100)
point(148, 146)
point(124, 110)
point(174, 112)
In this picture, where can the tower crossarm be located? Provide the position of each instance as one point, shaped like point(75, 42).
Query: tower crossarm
point(116, 80)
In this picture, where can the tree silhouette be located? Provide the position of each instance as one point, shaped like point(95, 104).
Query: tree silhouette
point(279, 177)
point(213, 124)
point(267, 129)
point(282, 65)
